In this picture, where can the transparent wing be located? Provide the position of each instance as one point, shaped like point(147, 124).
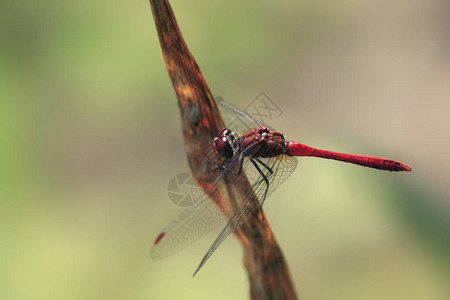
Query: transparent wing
point(236, 120)
point(201, 218)
point(198, 220)
point(276, 170)
point(193, 223)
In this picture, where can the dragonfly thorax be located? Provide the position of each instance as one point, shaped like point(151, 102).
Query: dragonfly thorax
point(226, 144)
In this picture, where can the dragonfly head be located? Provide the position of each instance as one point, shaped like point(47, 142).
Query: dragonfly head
point(225, 144)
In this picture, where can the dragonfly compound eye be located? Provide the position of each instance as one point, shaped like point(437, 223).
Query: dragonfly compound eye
point(223, 144)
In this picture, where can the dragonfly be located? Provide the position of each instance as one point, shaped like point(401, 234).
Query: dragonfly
point(247, 150)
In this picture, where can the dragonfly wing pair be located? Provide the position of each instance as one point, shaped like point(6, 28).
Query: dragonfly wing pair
point(205, 215)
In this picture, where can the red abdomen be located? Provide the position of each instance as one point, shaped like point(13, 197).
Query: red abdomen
point(298, 149)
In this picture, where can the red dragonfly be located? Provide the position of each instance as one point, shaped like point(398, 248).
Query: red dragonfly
point(261, 154)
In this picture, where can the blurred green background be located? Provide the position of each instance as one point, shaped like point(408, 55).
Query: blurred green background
point(90, 137)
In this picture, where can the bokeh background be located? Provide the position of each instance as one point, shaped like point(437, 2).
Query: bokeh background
point(90, 137)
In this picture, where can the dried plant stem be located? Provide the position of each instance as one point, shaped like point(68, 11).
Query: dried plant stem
point(201, 121)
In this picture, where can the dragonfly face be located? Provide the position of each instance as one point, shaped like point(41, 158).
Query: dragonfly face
point(225, 144)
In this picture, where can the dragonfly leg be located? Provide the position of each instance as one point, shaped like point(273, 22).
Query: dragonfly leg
point(222, 165)
point(238, 171)
point(230, 165)
point(265, 166)
point(241, 163)
point(218, 166)
point(266, 180)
